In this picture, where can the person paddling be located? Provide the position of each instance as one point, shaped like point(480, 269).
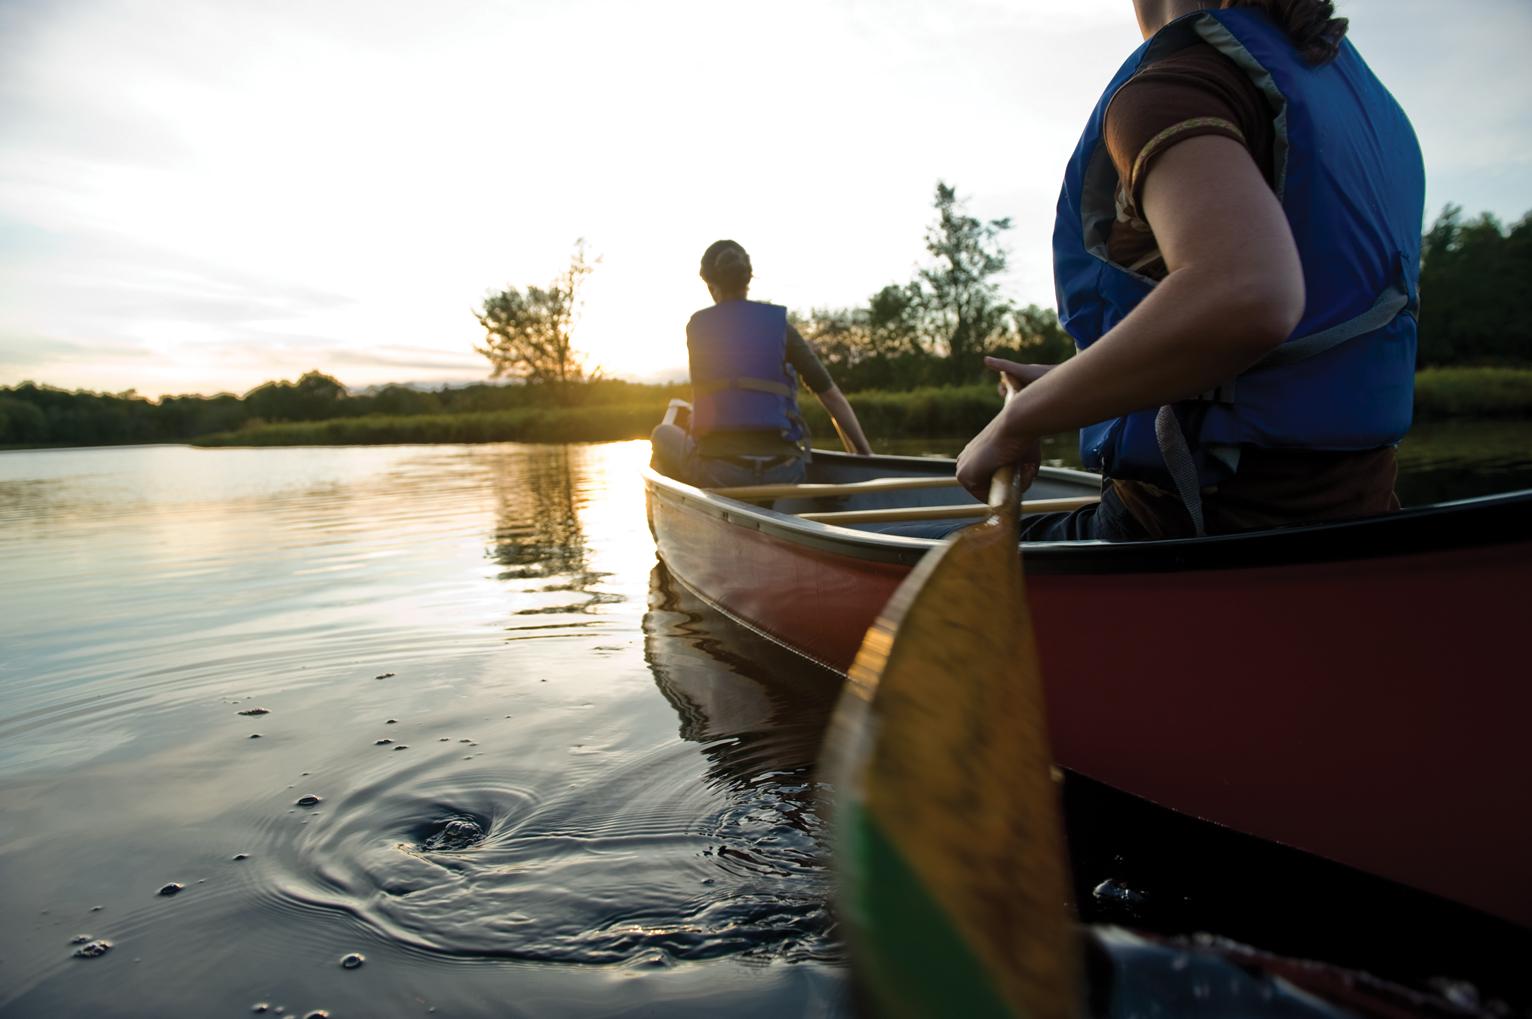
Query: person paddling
point(1236, 255)
point(745, 360)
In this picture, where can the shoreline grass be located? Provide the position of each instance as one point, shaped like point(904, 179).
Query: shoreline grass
point(1496, 393)
point(1483, 392)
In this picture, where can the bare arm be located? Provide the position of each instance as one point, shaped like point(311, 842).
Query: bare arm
point(1233, 292)
point(846, 424)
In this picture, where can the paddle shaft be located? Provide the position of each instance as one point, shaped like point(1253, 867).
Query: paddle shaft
point(966, 511)
point(1004, 496)
point(752, 493)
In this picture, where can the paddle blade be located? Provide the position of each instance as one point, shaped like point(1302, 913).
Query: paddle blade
point(949, 845)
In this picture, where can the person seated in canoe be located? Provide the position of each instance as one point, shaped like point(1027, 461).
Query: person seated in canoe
point(746, 359)
point(1236, 255)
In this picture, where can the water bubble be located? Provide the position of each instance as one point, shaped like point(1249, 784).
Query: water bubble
point(1117, 896)
point(95, 909)
point(172, 888)
point(79, 939)
point(260, 1008)
point(308, 801)
point(241, 856)
point(93, 949)
point(352, 960)
point(318, 1013)
point(456, 833)
point(1459, 992)
point(252, 712)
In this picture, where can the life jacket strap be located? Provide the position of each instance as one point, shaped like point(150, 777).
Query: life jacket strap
point(1180, 463)
point(1385, 309)
point(1176, 450)
point(754, 385)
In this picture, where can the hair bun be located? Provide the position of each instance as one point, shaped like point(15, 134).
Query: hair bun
point(726, 265)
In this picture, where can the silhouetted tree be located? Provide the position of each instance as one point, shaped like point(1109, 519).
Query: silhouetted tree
point(314, 397)
point(1472, 277)
point(21, 422)
point(1038, 337)
point(529, 334)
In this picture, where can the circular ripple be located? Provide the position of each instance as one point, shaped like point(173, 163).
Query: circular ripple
point(639, 867)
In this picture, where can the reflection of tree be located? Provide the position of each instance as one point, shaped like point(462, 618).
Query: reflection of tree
point(758, 709)
point(537, 526)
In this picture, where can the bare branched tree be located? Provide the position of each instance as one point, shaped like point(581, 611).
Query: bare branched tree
point(529, 334)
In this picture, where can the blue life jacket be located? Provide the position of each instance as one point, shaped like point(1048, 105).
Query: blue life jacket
point(741, 379)
point(1351, 182)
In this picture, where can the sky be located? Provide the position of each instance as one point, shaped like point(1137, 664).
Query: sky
point(202, 196)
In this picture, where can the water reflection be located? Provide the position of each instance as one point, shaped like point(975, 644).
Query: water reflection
point(450, 643)
point(759, 714)
point(537, 532)
point(757, 709)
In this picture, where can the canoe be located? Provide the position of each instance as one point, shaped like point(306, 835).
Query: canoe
point(1357, 691)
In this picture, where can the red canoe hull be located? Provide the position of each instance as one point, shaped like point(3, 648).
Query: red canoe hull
point(1368, 710)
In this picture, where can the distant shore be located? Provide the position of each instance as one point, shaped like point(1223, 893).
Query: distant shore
point(1486, 393)
point(1439, 393)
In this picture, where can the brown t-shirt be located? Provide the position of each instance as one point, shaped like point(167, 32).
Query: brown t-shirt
point(1199, 91)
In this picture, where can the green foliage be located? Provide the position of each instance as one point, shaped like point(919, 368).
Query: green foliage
point(38, 415)
point(928, 411)
point(959, 302)
point(936, 329)
point(1473, 278)
point(529, 424)
point(314, 397)
point(21, 423)
point(1484, 392)
point(528, 335)
point(900, 354)
point(602, 410)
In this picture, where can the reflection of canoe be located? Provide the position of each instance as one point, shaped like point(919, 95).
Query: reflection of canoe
point(1352, 689)
point(745, 698)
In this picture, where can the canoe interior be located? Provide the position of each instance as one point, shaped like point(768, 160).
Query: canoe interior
point(841, 468)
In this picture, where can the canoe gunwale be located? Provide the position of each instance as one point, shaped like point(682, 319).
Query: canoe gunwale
point(1469, 523)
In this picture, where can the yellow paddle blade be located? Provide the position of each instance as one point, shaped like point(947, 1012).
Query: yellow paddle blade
point(949, 841)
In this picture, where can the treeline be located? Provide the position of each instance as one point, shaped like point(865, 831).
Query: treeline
point(603, 411)
point(931, 331)
point(41, 415)
point(1472, 283)
point(935, 329)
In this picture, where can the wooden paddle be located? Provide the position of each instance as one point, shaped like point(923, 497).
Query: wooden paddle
point(949, 848)
point(756, 493)
point(960, 512)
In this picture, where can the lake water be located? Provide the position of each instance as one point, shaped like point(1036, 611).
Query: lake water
point(439, 634)
point(545, 782)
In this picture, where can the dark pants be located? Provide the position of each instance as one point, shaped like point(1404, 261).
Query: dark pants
point(675, 454)
point(1107, 520)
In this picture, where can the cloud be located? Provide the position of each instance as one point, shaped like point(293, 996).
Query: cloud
point(240, 191)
